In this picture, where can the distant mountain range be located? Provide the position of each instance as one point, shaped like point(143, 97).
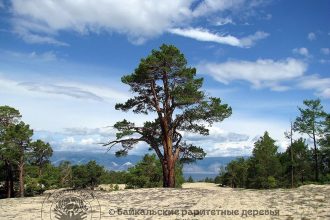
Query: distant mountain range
point(109, 161)
point(209, 167)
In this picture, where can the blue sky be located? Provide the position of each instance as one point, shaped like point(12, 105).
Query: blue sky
point(61, 63)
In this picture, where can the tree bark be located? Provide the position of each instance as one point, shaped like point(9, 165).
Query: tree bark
point(168, 166)
point(171, 174)
point(21, 176)
point(291, 152)
point(316, 159)
point(9, 183)
point(165, 173)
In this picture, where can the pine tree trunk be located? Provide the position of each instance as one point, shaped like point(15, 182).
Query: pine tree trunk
point(21, 181)
point(316, 159)
point(165, 173)
point(21, 176)
point(168, 167)
point(9, 184)
point(7, 180)
point(291, 154)
point(169, 161)
point(171, 174)
point(292, 168)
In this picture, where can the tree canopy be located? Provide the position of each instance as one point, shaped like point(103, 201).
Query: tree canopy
point(265, 165)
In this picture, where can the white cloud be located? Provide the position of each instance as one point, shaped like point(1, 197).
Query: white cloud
point(321, 85)
point(69, 140)
point(62, 89)
point(139, 19)
point(205, 35)
point(252, 39)
point(35, 32)
point(89, 141)
point(325, 51)
point(222, 143)
point(32, 38)
point(216, 134)
point(102, 132)
point(234, 136)
point(301, 51)
point(211, 6)
point(223, 21)
point(311, 36)
point(41, 21)
point(70, 91)
point(261, 73)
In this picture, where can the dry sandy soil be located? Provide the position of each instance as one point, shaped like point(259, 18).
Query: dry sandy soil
point(306, 202)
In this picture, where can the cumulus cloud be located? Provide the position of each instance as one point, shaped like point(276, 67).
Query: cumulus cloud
point(195, 168)
point(41, 21)
point(201, 34)
point(311, 36)
point(220, 142)
point(315, 82)
point(68, 140)
point(301, 51)
point(83, 131)
point(261, 73)
point(139, 19)
point(218, 135)
point(77, 138)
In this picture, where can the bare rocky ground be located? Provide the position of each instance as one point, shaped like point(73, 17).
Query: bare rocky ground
point(306, 202)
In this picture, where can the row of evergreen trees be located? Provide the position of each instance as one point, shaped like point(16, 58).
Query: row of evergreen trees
point(299, 164)
point(26, 169)
point(17, 150)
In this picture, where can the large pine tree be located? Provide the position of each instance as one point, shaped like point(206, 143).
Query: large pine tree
point(163, 84)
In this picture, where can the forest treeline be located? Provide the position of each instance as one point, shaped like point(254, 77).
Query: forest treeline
point(298, 165)
point(26, 169)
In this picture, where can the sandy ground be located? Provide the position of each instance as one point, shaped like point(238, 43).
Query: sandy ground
point(193, 201)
